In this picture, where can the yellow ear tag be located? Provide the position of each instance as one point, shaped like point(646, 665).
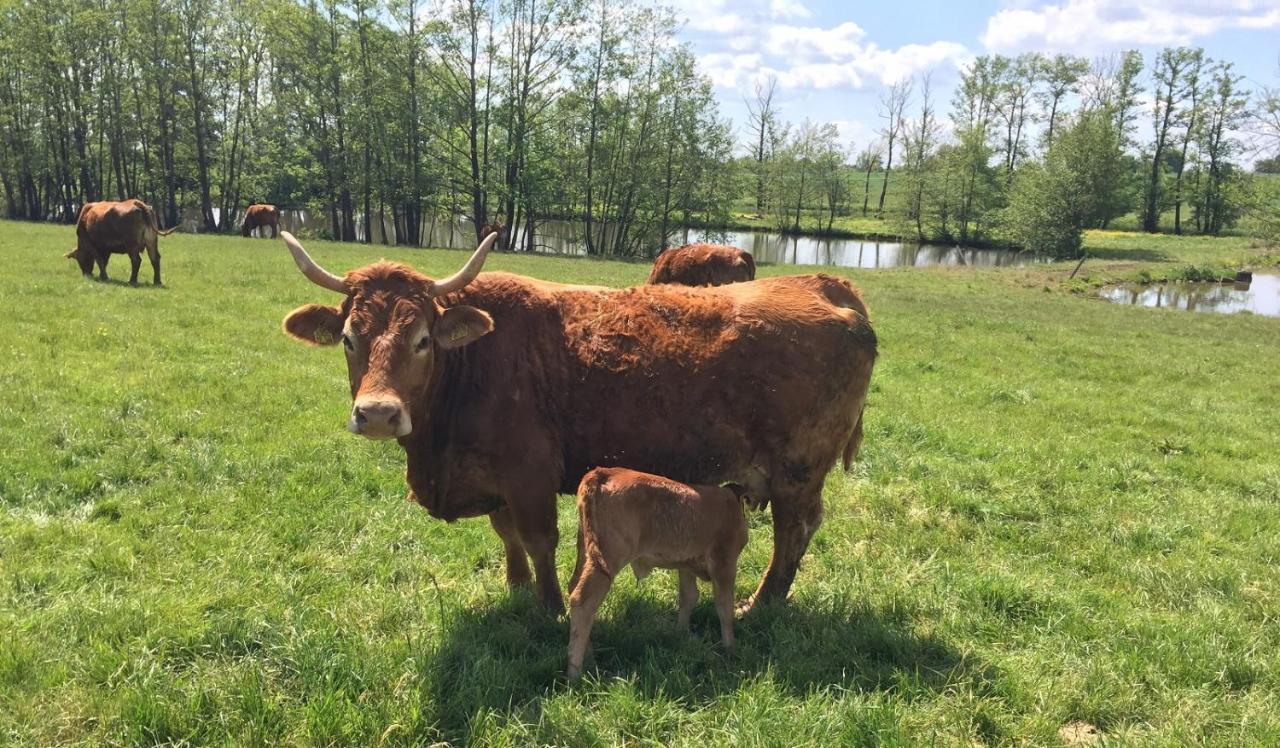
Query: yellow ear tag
point(322, 336)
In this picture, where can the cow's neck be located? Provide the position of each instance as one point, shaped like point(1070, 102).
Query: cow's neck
point(427, 447)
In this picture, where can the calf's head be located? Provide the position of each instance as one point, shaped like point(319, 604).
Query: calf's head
point(392, 327)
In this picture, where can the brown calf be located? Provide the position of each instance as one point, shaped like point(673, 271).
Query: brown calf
point(703, 265)
point(261, 215)
point(647, 521)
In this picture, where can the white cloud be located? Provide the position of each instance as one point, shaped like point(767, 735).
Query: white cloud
point(743, 41)
point(711, 16)
point(1084, 25)
point(788, 9)
point(729, 70)
point(840, 42)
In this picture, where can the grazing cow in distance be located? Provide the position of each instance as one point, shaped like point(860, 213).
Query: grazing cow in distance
point(647, 521)
point(703, 265)
point(498, 228)
point(261, 215)
point(504, 391)
point(107, 228)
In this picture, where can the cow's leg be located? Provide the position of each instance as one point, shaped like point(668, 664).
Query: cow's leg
point(687, 598)
point(135, 262)
point(275, 231)
point(101, 258)
point(535, 519)
point(153, 254)
point(796, 517)
point(584, 600)
point(517, 565)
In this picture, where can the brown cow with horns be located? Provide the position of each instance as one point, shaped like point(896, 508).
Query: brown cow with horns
point(504, 390)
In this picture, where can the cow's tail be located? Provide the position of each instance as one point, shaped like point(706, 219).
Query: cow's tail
point(852, 446)
point(155, 226)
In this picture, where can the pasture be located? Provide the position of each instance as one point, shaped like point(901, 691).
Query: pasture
point(1065, 512)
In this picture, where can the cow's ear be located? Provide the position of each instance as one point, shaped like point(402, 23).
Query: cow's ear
point(460, 325)
point(315, 324)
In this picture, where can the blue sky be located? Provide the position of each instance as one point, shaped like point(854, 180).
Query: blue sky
point(834, 58)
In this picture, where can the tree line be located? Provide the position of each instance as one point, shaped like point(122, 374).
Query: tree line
point(1038, 149)
point(400, 113)
point(393, 112)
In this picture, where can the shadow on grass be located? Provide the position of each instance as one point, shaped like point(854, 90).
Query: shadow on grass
point(504, 658)
point(141, 284)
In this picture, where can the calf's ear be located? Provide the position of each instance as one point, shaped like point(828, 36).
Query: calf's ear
point(315, 324)
point(461, 325)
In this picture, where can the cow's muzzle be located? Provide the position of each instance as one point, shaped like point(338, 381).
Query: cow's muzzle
point(379, 418)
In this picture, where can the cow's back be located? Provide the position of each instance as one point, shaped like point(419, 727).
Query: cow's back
point(113, 226)
point(703, 385)
point(702, 265)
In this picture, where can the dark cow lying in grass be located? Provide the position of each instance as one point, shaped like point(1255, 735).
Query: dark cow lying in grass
point(504, 390)
point(647, 521)
point(703, 265)
point(108, 228)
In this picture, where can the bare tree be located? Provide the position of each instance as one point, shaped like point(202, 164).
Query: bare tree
point(868, 161)
point(762, 117)
point(892, 105)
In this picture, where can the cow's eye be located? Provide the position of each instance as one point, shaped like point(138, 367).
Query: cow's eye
point(347, 342)
point(422, 344)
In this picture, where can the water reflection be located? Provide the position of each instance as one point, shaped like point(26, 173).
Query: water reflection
point(1262, 296)
point(568, 238)
point(859, 253)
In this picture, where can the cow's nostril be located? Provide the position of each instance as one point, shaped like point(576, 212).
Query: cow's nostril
point(394, 420)
point(361, 419)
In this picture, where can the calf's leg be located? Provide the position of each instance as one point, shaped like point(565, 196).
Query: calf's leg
point(724, 573)
point(518, 574)
point(584, 601)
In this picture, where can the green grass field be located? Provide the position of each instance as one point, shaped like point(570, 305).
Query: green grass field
point(1065, 511)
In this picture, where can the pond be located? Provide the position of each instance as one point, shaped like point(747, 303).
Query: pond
point(1262, 296)
point(567, 238)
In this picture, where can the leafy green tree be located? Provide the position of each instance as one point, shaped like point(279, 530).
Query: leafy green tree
point(1052, 202)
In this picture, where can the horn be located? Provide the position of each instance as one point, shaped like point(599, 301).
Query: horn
point(309, 268)
point(468, 273)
